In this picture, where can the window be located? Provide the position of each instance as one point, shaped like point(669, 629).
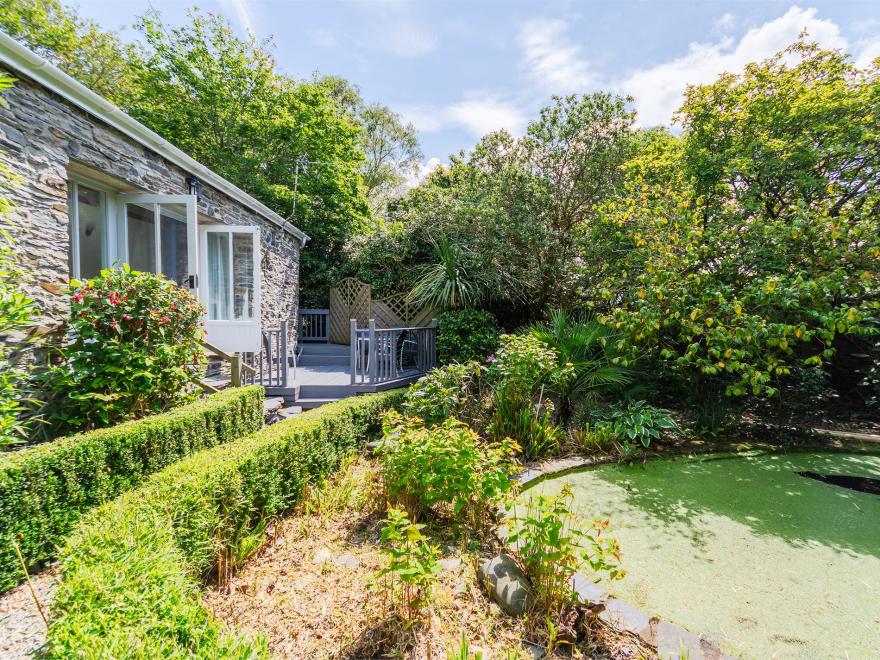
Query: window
point(230, 265)
point(163, 224)
point(88, 230)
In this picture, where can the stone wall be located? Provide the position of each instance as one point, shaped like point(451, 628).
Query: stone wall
point(41, 135)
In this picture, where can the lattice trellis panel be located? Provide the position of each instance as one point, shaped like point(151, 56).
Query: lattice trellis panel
point(397, 311)
point(349, 299)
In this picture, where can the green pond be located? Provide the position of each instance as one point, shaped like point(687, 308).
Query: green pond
point(744, 550)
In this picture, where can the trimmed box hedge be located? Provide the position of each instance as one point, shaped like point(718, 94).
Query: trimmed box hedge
point(45, 489)
point(131, 570)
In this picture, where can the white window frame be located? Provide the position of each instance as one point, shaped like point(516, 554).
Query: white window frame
point(192, 229)
point(204, 279)
point(109, 245)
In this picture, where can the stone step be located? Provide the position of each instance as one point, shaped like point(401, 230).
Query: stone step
point(290, 411)
point(272, 404)
point(323, 360)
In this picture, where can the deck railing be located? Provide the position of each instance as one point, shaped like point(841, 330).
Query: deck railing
point(270, 365)
point(314, 325)
point(380, 355)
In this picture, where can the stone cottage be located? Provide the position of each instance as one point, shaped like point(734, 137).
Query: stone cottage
point(93, 187)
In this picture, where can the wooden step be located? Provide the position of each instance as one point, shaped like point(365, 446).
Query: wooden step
point(322, 360)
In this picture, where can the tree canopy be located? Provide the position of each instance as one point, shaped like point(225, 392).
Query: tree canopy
point(743, 249)
point(222, 99)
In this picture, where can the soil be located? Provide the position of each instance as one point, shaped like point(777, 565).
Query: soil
point(311, 592)
point(22, 629)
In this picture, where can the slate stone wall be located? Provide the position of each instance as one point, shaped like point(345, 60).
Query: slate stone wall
point(41, 134)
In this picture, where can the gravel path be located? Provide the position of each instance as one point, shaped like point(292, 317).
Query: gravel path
point(22, 631)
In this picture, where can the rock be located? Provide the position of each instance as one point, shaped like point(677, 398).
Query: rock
point(506, 583)
point(322, 556)
point(535, 652)
point(450, 563)
point(349, 561)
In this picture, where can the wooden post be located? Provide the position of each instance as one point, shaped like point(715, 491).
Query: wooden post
point(235, 365)
point(353, 349)
point(432, 356)
point(373, 351)
point(282, 358)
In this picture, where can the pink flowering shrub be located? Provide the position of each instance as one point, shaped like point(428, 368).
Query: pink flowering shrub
point(134, 351)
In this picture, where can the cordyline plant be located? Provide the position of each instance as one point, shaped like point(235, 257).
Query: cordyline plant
point(135, 350)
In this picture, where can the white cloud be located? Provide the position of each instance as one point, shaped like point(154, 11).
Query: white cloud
point(552, 59)
point(420, 171)
point(478, 113)
point(481, 115)
point(724, 23)
point(242, 12)
point(658, 90)
point(869, 50)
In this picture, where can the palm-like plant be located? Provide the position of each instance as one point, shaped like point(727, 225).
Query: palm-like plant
point(589, 347)
point(449, 283)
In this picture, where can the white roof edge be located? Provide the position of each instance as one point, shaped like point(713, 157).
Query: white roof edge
point(32, 65)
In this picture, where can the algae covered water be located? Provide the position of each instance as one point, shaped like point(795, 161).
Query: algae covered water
point(745, 550)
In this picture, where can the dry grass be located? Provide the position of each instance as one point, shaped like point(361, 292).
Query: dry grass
point(308, 590)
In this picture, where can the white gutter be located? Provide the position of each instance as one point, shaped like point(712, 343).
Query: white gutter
point(51, 77)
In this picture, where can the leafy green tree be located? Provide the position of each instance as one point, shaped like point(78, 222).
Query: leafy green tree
point(390, 145)
point(95, 57)
point(750, 244)
point(515, 209)
point(220, 99)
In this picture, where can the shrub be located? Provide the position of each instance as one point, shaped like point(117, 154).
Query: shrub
point(524, 368)
point(590, 348)
point(411, 570)
point(748, 245)
point(466, 334)
point(45, 489)
point(424, 466)
point(449, 391)
point(135, 351)
point(16, 313)
point(636, 420)
point(552, 547)
point(128, 586)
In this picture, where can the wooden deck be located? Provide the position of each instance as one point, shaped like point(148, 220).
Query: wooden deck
point(323, 374)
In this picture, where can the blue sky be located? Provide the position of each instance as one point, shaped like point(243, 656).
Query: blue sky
point(461, 69)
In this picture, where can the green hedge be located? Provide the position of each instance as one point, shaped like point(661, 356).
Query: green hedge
point(131, 570)
point(45, 489)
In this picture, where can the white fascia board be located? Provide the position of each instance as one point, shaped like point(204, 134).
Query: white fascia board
point(51, 77)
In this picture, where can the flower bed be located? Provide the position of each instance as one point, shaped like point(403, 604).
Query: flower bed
point(129, 571)
point(45, 489)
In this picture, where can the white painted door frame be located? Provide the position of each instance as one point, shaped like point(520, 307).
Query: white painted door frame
point(243, 335)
